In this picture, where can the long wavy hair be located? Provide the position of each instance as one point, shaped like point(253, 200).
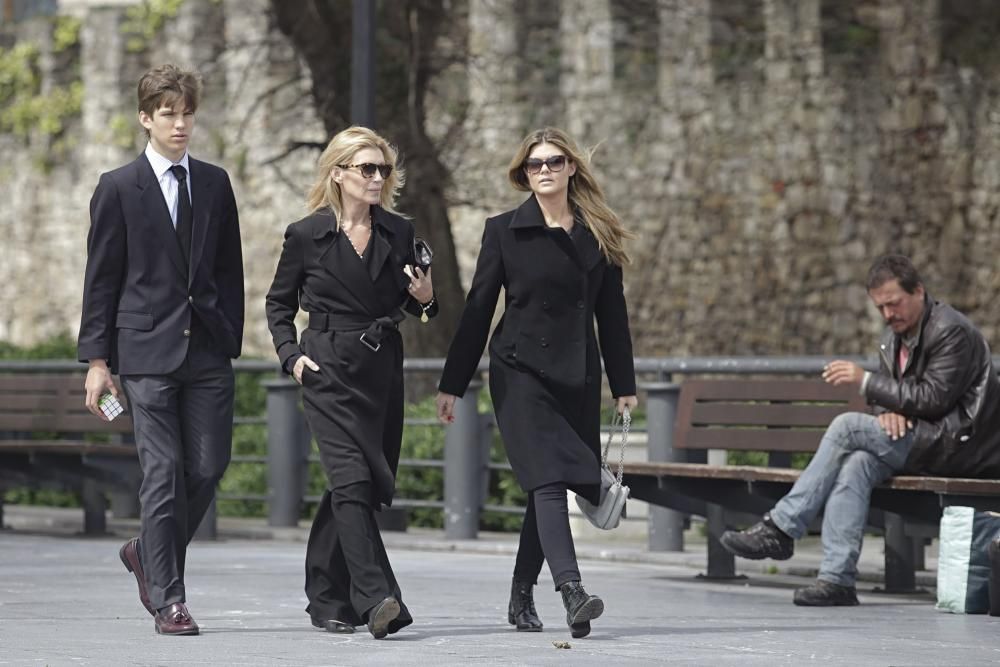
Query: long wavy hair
point(325, 192)
point(585, 195)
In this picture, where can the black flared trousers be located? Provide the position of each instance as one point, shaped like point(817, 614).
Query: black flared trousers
point(347, 568)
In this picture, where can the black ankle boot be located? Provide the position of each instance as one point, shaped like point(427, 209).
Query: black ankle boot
point(581, 608)
point(521, 610)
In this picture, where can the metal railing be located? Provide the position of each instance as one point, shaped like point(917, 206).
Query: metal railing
point(466, 463)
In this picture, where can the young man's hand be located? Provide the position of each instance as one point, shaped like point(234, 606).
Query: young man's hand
point(97, 384)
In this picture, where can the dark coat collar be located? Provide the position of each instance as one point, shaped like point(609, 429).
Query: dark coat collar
point(528, 214)
point(585, 251)
point(890, 339)
point(327, 221)
point(339, 258)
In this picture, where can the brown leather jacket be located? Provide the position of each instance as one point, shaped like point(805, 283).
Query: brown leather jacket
point(951, 392)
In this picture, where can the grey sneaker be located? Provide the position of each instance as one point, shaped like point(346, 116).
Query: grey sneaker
point(826, 594)
point(761, 540)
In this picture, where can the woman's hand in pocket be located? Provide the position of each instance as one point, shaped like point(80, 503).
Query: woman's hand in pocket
point(300, 365)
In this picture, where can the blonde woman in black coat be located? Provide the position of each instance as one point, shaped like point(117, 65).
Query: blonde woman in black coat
point(350, 265)
point(559, 258)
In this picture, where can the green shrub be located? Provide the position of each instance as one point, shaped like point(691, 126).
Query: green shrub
point(420, 442)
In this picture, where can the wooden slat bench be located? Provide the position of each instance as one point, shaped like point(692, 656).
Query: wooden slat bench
point(49, 439)
point(782, 417)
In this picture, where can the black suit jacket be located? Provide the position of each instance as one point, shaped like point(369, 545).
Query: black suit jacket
point(140, 295)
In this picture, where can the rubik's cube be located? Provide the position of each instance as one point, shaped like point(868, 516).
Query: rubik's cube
point(110, 406)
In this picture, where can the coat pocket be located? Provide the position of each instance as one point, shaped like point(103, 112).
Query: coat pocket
point(127, 319)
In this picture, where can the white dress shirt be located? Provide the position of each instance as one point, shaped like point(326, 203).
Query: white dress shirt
point(167, 180)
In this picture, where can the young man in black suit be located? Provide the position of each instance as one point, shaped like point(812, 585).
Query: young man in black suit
point(163, 308)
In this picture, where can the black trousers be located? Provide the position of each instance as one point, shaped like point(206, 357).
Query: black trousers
point(183, 434)
point(347, 568)
point(545, 535)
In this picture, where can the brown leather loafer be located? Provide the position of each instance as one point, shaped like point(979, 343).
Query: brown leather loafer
point(175, 620)
point(129, 553)
point(381, 615)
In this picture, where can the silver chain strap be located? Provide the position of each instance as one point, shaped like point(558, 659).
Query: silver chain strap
point(626, 418)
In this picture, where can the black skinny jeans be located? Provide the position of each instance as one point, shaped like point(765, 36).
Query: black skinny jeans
point(545, 535)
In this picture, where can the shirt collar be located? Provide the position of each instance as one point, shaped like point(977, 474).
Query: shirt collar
point(160, 164)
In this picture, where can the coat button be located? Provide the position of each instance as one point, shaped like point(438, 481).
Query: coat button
point(187, 333)
point(545, 305)
point(541, 373)
point(579, 304)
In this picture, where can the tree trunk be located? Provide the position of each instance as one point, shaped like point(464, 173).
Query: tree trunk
point(406, 32)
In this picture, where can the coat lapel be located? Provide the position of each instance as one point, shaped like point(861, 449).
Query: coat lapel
point(201, 206)
point(588, 251)
point(585, 253)
point(380, 246)
point(155, 208)
point(343, 263)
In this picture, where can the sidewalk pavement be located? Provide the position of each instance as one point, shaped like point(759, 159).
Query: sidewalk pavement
point(805, 563)
point(66, 600)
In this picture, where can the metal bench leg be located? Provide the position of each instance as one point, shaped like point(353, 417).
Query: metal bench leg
point(125, 504)
point(94, 508)
point(919, 555)
point(721, 563)
point(665, 526)
point(900, 574)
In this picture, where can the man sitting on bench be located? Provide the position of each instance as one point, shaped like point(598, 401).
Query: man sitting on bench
point(937, 405)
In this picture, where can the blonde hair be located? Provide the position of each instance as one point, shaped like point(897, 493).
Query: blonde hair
point(326, 192)
point(585, 195)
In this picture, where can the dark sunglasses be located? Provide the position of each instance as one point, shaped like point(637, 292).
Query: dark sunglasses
point(368, 169)
point(555, 163)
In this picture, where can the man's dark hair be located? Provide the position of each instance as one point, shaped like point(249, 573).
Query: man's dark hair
point(168, 84)
point(894, 267)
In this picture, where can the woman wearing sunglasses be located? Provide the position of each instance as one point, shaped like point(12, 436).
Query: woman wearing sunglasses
point(350, 265)
point(559, 257)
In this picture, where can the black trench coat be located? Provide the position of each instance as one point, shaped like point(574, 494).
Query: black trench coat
point(354, 403)
point(545, 365)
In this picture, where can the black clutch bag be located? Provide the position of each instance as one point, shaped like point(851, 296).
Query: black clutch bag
point(422, 254)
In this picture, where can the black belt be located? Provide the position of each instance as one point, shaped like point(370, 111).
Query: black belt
point(372, 329)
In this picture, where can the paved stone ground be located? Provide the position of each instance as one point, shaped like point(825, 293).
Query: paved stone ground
point(67, 600)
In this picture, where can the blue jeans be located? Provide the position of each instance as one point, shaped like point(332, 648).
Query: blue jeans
point(854, 456)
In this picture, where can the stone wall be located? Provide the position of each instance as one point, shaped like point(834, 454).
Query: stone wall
point(763, 151)
point(255, 101)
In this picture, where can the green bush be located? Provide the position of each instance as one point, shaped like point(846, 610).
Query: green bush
point(420, 442)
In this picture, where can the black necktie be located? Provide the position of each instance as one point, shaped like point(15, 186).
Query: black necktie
point(184, 222)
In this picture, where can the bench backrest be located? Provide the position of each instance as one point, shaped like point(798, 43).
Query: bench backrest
point(759, 415)
point(52, 403)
